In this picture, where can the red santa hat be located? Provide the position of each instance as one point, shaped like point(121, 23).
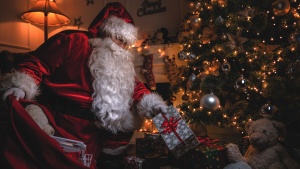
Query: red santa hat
point(114, 20)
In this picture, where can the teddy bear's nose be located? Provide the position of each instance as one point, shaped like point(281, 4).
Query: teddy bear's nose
point(255, 140)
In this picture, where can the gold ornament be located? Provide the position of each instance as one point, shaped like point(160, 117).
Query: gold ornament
point(185, 97)
point(173, 98)
point(281, 7)
point(195, 21)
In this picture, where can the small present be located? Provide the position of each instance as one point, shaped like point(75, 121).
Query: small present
point(152, 136)
point(151, 146)
point(132, 162)
point(175, 132)
point(142, 147)
point(210, 154)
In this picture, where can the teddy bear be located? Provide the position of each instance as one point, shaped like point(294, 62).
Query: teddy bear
point(40, 118)
point(148, 39)
point(265, 150)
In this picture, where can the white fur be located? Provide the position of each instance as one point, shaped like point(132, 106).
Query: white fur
point(37, 114)
point(20, 80)
point(116, 151)
point(147, 103)
point(117, 27)
point(113, 72)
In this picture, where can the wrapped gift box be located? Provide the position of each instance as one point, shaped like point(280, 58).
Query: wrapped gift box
point(175, 132)
point(210, 154)
point(152, 146)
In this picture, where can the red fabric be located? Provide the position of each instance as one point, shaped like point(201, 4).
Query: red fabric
point(139, 91)
point(114, 8)
point(61, 65)
point(26, 146)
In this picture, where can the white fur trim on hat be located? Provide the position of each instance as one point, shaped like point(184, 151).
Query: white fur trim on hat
point(115, 151)
point(117, 27)
point(22, 81)
point(146, 104)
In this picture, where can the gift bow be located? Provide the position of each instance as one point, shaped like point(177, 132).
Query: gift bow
point(207, 141)
point(170, 125)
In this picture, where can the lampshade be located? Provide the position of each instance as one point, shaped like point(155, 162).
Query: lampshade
point(45, 12)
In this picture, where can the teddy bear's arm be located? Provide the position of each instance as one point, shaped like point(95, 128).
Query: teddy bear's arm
point(234, 154)
point(286, 159)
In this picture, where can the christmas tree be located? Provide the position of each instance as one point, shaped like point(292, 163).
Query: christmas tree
point(242, 62)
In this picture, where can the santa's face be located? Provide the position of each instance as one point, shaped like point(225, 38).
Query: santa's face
point(111, 66)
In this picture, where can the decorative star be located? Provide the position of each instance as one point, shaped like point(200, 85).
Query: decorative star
point(208, 34)
point(268, 48)
point(210, 68)
point(247, 13)
point(89, 2)
point(77, 22)
point(236, 41)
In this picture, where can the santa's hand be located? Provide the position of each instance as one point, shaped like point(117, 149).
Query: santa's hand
point(160, 108)
point(17, 92)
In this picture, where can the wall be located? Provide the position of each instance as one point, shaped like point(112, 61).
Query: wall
point(18, 36)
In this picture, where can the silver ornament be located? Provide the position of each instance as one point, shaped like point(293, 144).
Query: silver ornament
point(281, 7)
point(192, 77)
point(210, 102)
point(219, 21)
point(268, 110)
point(226, 67)
point(182, 55)
point(192, 56)
point(241, 84)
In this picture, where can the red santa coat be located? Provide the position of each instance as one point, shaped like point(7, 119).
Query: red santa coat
point(59, 67)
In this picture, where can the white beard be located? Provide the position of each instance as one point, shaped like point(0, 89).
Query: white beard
point(112, 69)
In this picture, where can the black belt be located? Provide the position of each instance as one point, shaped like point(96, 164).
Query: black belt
point(72, 109)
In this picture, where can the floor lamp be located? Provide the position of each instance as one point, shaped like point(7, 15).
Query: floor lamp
point(45, 12)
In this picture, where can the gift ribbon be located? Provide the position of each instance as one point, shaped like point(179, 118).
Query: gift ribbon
point(209, 142)
point(170, 126)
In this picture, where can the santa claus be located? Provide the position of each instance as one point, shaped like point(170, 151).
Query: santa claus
point(87, 81)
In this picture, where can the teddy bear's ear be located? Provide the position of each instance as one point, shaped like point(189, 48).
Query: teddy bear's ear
point(280, 128)
point(247, 125)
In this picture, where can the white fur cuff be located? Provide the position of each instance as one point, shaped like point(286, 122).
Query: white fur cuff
point(22, 81)
point(115, 151)
point(117, 27)
point(146, 104)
